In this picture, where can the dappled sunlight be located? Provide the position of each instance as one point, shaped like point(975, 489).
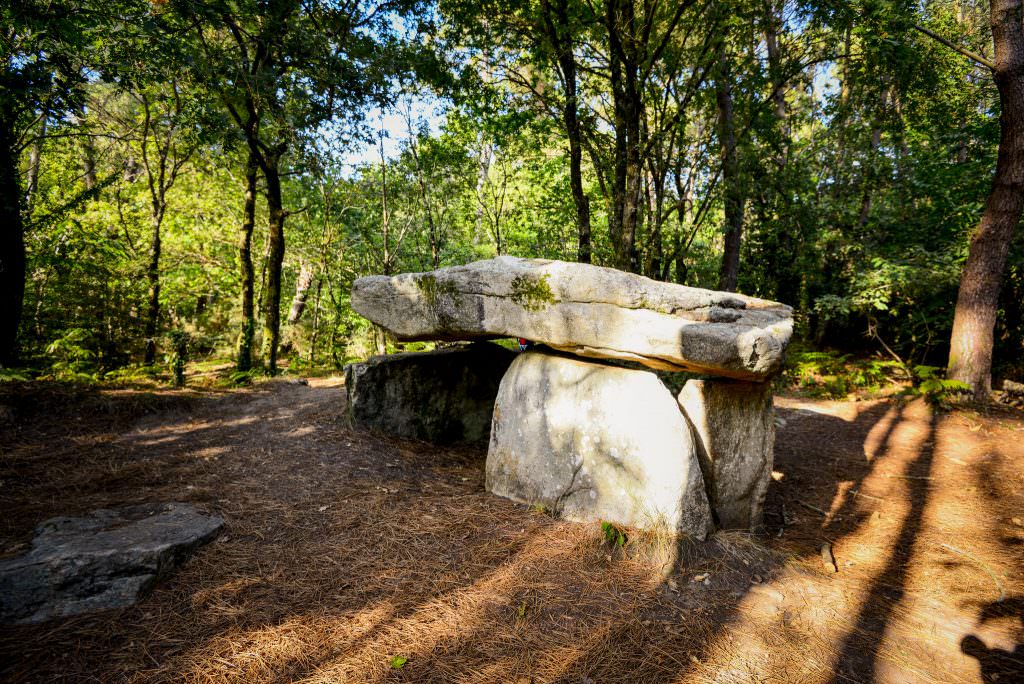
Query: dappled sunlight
point(343, 549)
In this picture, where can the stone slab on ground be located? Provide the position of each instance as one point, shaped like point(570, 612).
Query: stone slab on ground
point(735, 426)
point(586, 310)
point(590, 441)
point(106, 559)
point(443, 396)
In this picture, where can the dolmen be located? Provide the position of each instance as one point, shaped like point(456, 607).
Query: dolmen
point(583, 423)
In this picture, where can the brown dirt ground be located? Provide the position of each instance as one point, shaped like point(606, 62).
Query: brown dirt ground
point(343, 549)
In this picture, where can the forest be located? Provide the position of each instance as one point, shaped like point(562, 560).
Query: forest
point(224, 222)
point(209, 176)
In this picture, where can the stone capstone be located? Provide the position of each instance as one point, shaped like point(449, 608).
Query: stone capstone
point(734, 423)
point(590, 441)
point(585, 310)
point(106, 559)
point(444, 396)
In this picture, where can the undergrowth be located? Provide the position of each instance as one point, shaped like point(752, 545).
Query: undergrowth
point(834, 375)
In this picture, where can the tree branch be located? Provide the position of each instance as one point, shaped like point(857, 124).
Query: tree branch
point(956, 48)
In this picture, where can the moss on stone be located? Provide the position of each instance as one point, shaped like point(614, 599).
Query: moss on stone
point(533, 294)
point(433, 289)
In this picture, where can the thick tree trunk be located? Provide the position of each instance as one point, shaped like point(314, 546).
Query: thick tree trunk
point(970, 354)
point(275, 259)
point(246, 271)
point(12, 244)
point(735, 197)
point(153, 276)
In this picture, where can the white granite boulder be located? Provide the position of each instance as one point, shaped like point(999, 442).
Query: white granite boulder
point(586, 310)
point(590, 441)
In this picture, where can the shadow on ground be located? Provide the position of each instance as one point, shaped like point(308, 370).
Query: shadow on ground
point(344, 549)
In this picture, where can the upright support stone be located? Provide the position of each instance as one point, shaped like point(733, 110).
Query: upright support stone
point(735, 426)
point(591, 442)
point(443, 396)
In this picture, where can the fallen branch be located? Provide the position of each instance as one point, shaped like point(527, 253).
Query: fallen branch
point(1002, 592)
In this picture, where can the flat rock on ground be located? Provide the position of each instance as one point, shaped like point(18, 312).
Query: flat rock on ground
point(585, 310)
point(106, 559)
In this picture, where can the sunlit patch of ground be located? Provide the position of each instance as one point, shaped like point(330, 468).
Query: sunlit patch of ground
point(344, 550)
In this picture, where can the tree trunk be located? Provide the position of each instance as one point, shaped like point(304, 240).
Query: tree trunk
point(483, 169)
point(970, 354)
point(153, 276)
point(728, 274)
point(302, 285)
point(628, 107)
point(246, 270)
point(12, 244)
point(35, 154)
point(560, 35)
point(275, 259)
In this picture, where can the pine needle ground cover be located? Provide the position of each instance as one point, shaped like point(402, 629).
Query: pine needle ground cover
point(352, 557)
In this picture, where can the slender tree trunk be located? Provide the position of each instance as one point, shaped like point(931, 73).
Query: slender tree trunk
point(628, 107)
point(89, 162)
point(314, 337)
point(275, 260)
point(560, 35)
point(970, 354)
point(12, 244)
point(302, 285)
point(153, 277)
point(483, 168)
point(35, 154)
point(735, 197)
point(246, 270)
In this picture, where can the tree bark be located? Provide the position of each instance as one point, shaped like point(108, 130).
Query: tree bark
point(735, 198)
point(12, 243)
point(970, 354)
point(302, 285)
point(246, 270)
point(628, 108)
point(35, 154)
point(153, 276)
point(275, 260)
point(560, 35)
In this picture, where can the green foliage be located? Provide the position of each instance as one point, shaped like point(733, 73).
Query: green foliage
point(72, 357)
point(177, 355)
point(613, 534)
point(13, 375)
point(833, 375)
point(397, 662)
point(937, 390)
point(861, 185)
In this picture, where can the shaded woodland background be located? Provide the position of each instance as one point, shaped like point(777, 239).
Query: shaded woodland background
point(206, 178)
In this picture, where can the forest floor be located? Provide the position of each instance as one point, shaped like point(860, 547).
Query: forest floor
point(343, 549)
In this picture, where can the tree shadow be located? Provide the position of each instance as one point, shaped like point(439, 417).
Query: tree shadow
point(859, 654)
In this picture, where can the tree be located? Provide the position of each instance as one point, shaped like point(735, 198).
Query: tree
point(283, 68)
point(42, 45)
point(970, 354)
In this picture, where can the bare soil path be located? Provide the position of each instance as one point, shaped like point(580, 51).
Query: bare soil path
point(343, 549)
